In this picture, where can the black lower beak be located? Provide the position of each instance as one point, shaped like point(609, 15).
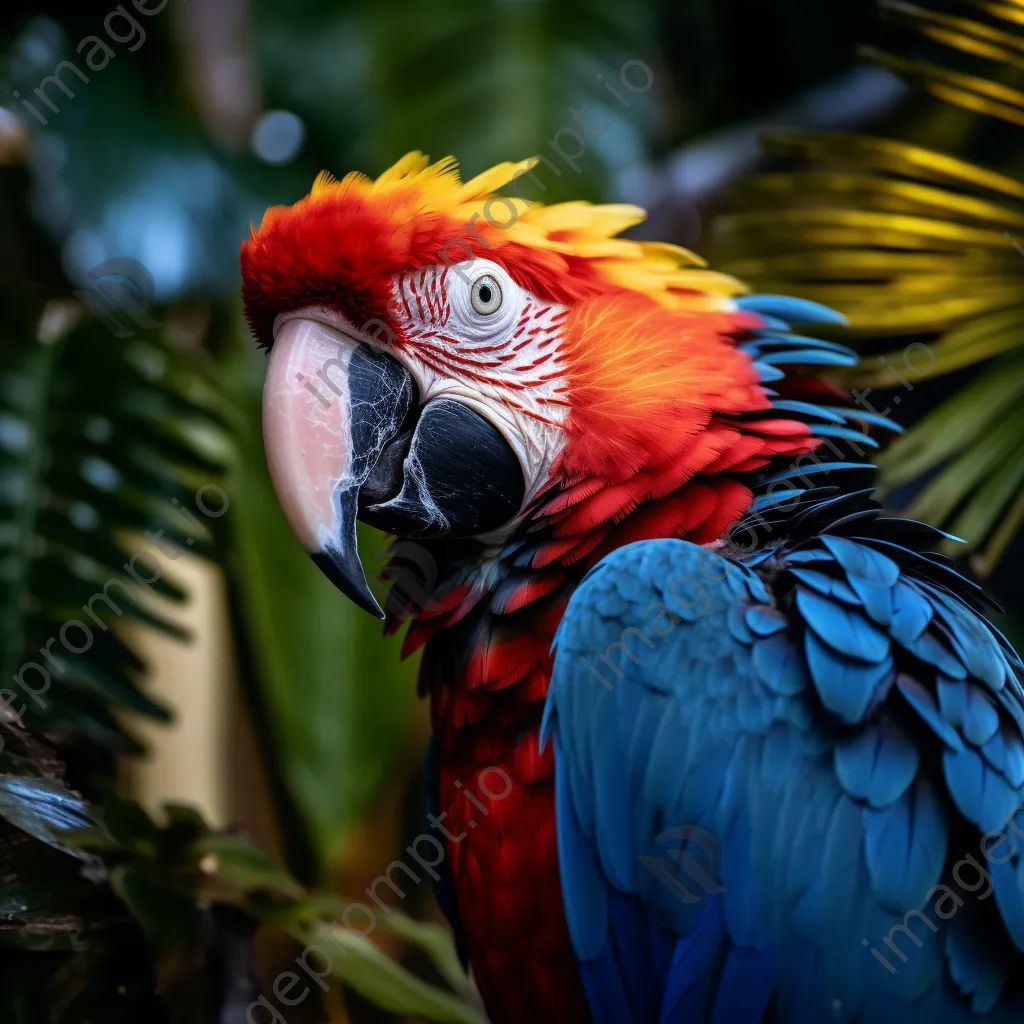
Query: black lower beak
point(453, 475)
point(419, 472)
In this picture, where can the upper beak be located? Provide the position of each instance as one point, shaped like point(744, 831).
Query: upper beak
point(346, 440)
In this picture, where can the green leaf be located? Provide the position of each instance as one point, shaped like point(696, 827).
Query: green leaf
point(913, 239)
point(169, 918)
point(436, 942)
point(384, 982)
point(952, 427)
point(243, 866)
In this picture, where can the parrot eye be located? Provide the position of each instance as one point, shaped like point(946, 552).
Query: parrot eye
point(483, 301)
point(486, 295)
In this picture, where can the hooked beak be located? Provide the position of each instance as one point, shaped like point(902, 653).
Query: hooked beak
point(347, 440)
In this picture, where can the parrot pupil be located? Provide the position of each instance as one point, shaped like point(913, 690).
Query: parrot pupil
point(485, 294)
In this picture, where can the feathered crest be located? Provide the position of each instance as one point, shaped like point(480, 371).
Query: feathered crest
point(414, 186)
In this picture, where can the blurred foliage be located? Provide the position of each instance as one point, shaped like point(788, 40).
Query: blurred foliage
point(72, 952)
point(487, 82)
point(94, 451)
point(196, 895)
point(914, 244)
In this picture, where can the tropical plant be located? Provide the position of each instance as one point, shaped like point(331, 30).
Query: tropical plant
point(106, 432)
point(917, 244)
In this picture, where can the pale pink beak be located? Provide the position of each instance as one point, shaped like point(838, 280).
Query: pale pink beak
point(330, 405)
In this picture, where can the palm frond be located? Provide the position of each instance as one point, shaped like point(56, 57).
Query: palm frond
point(98, 441)
point(918, 247)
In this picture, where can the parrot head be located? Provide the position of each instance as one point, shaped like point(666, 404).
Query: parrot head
point(449, 362)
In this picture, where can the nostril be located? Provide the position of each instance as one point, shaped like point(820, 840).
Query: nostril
point(385, 479)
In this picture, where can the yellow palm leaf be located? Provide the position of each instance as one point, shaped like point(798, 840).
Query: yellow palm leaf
point(913, 243)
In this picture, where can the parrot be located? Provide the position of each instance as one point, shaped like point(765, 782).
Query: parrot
point(715, 737)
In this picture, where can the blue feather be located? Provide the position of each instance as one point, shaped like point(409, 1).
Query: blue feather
point(860, 560)
point(774, 500)
point(877, 599)
point(817, 412)
point(911, 614)
point(633, 940)
point(827, 585)
point(584, 887)
point(765, 621)
point(967, 708)
point(792, 311)
point(779, 664)
point(875, 419)
point(808, 556)
point(845, 434)
point(745, 988)
point(823, 468)
point(606, 993)
point(929, 649)
point(690, 986)
point(979, 970)
point(766, 372)
point(810, 357)
point(738, 626)
point(843, 630)
point(994, 751)
point(905, 844)
point(982, 658)
point(923, 703)
point(1013, 767)
point(878, 765)
point(1008, 877)
point(981, 794)
point(846, 686)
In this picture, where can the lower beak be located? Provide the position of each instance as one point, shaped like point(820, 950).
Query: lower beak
point(346, 440)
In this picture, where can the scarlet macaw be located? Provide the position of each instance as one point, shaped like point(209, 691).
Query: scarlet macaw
point(762, 748)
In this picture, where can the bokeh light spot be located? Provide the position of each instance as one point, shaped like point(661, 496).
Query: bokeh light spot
point(278, 136)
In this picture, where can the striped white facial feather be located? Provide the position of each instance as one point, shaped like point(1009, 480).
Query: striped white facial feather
point(506, 365)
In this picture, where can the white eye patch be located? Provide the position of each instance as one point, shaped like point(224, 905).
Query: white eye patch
point(471, 334)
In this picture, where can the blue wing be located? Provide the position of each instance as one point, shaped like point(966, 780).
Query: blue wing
point(786, 782)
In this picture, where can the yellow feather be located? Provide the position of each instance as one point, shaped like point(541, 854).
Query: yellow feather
point(665, 272)
point(606, 220)
point(683, 257)
point(497, 177)
point(408, 166)
point(323, 180)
